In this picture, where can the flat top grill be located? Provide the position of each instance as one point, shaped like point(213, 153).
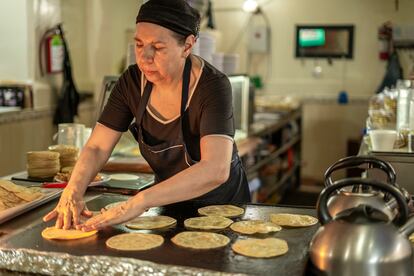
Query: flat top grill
point(223, 259)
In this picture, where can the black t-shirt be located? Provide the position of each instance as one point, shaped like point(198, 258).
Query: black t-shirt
point(209, 111)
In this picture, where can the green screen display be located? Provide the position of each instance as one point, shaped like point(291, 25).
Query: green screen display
point(311, 37)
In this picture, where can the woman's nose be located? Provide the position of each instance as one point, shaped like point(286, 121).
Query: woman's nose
point(147, 54)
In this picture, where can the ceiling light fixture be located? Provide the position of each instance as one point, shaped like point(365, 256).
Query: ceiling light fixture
point(250, 6)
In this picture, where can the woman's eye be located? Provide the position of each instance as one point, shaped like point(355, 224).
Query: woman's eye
point(138, 45)
point(158, 48)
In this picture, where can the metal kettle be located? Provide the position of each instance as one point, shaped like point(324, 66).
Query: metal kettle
point(345, 199)
point(362, 240)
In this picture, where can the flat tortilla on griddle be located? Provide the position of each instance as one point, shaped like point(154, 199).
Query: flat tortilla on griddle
point(255, 226)
point(208, 223)
point(52, 233)
point(293, 220)
point(200, 240)
point(229, 211)
point(261, 248)
point(134, 241)
point(151, 222)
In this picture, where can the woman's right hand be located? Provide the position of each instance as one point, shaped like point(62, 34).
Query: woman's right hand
point(69, 210)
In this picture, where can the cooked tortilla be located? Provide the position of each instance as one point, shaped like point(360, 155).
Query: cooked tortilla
point(293, 220)
point(134, 241)
point(12, 195)
point(200, 240)
point(261, 248)
point(52, 233)
point(24, 193)
point(255, 226)
point(151, 222)
point(229, 211)
point(208, 223)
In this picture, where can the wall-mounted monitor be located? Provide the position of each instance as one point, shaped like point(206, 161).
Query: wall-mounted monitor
point(324, 41)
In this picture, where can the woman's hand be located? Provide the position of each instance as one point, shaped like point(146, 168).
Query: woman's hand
point(116, 215)
point(69, 210)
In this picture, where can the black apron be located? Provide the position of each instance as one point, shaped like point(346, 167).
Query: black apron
point(171, 157)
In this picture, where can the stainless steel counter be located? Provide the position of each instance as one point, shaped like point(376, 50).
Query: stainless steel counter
point(401, 160)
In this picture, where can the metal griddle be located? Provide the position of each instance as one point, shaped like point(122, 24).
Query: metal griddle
point(224, 259)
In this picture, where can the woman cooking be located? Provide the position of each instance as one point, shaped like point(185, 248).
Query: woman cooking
point(183, 124)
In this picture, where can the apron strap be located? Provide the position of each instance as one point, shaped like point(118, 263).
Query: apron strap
point(186, 84)
point(143, 102)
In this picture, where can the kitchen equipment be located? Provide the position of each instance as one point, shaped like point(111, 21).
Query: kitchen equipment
point(70, 134)
point(345, 199)
point(50, 185)
point(243, 102)
point(14, 94)
point(78, 255)
point(362, 240)
point(49, 195)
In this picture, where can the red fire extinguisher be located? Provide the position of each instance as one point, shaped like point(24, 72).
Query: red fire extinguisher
point(385, 40)
point(52, 51)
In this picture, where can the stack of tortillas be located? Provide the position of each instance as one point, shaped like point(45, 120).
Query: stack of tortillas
point(293, 220)
point(68, 155)
point(52, 233)
point(261, 248)
point(42, 164)
point(134, 241)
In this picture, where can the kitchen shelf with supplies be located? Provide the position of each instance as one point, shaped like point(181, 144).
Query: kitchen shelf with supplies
point(275, 161)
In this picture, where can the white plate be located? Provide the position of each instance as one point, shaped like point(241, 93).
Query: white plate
point(105, 178)
point(124, 176)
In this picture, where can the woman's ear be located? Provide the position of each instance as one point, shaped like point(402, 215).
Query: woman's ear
point(188, 45)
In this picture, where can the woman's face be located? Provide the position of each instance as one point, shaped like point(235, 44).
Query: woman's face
point(158, 54)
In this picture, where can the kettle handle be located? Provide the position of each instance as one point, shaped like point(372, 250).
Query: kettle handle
point(322, 204)
point(354, 161)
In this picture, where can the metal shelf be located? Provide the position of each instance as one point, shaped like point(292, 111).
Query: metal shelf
point(279, 184)
point(274, 155)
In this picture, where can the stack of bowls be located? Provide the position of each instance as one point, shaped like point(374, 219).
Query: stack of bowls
point(218, 61)
point(207, 46)
point(230, 63)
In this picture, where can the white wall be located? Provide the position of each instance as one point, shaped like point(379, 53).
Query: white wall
point(290, 75)
point(97, 32)
point(13, 40)
point(107, 22)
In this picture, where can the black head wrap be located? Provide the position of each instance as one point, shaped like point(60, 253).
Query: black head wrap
point(176, 15)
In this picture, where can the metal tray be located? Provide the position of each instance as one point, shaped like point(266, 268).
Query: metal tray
point(49, 194)
point(223, 259)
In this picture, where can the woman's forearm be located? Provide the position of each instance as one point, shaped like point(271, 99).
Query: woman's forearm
point(90, 162)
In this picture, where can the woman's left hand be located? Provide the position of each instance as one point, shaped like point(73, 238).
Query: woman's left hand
point(116, 215)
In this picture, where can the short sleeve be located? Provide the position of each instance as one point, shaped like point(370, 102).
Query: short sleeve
point(216, 108)
point(117, 113)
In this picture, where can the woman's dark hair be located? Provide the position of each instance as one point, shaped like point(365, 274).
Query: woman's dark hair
point(180, 38)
